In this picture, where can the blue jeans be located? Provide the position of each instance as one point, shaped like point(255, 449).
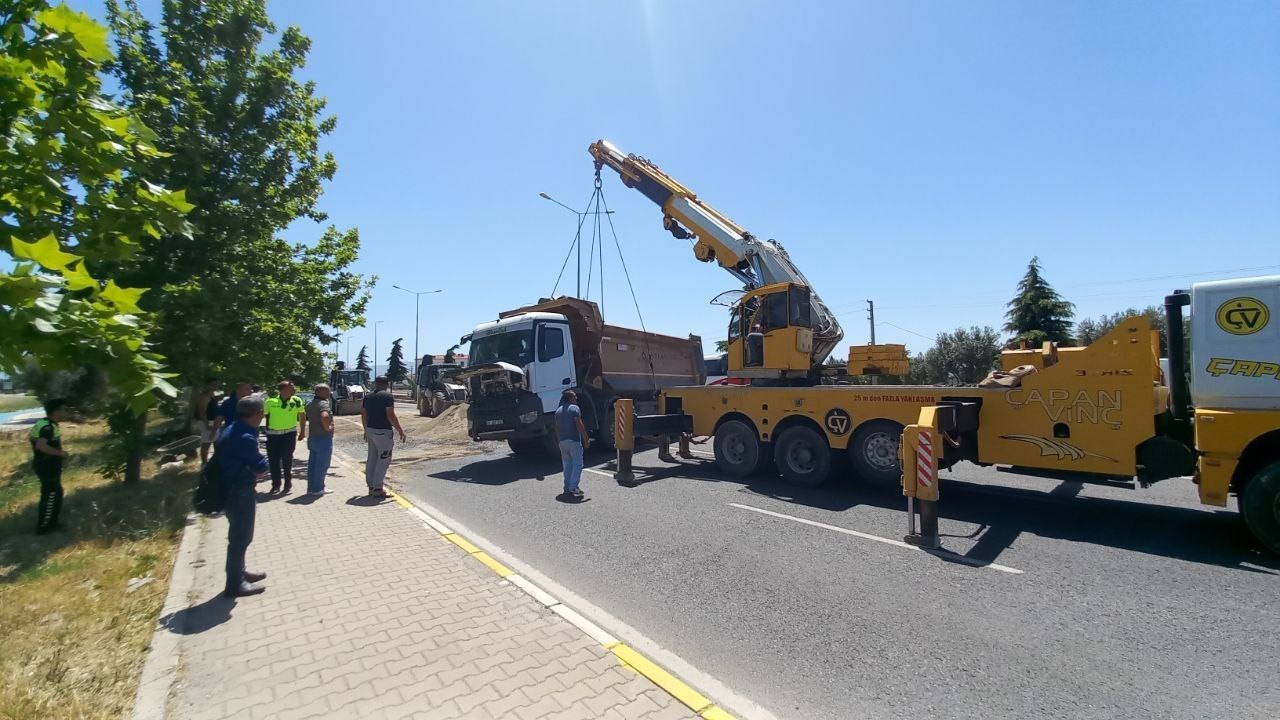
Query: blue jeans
point(571, 459)
point(320, 455)
point(242, 507)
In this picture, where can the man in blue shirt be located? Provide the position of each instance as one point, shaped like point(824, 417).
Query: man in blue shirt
point(227, 410)
point(572, 435)
point(240, 465)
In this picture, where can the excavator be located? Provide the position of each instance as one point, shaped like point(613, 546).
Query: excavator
point(780, 331)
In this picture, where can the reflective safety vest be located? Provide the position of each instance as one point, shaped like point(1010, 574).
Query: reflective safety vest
point(283, 416)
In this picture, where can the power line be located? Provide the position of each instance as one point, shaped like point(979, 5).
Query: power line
point(849, 310)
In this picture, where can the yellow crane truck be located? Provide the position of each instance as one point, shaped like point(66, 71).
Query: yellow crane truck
point(1108, 410)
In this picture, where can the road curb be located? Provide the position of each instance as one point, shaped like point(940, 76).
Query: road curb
point(160, 669)
point(627, 656)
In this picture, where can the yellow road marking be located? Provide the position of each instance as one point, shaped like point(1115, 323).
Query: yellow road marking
point(695, 700)
point(493, 565)
point(627, 657)
point(462, 542)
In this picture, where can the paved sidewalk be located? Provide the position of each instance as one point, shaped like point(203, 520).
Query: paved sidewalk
point(370, 614)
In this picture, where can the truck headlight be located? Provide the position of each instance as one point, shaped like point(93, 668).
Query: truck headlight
point(526, 418)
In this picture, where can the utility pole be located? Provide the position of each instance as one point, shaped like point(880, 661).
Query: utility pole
point(416, 297)
point(871, 315)
point(375, 347)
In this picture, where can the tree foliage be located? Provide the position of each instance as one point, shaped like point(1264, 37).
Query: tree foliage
point(396, 369)
point(1089, 330)
point(1037, 313)
point(963, 356)
point(240, 301)
point(362, 359)
point(76, 196)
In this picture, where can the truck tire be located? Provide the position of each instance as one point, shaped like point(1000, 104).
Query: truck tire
point(422, 406)
point(526, 446)
point(873, 452)
point(438, 403)
point(606, 434)
point(737, 448)
point(1260, 506)
point(802, 456)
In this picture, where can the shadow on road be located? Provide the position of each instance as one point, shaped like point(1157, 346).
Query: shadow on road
point(501, 470)
point(199, 618)
point(1002, 514)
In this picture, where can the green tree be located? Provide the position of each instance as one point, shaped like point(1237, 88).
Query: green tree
point(722, 346)
point(1037, 313)
point(396, 369)
point(219, 83)
point(961, 357)
point(1089, 330)
point(362, 359)
point(79, 193)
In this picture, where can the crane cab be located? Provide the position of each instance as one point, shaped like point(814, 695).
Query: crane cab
point(771, 332)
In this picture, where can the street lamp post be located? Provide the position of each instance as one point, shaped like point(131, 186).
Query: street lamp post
point(417, 295)
point(582, 216)
point(375, 346)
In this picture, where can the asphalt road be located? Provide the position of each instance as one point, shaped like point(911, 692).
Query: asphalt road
point(1064, 601)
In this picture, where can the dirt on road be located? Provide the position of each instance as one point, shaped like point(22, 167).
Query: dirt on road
point(443, 436)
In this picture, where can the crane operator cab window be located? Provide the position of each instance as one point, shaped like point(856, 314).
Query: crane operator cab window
point(770, 330)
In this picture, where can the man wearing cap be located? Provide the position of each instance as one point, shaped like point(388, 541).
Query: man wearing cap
point(285, 414)
point(239, 466)
point(319, 440)
point(378, 416)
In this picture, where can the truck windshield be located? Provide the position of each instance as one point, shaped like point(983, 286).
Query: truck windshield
point(351, 377)
point(515, 347)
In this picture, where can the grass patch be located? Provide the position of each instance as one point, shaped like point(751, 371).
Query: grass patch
point(18, 402)
point(72, 639)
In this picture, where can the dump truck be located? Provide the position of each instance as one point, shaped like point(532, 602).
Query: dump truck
point(521, 363)
point(1112, 411)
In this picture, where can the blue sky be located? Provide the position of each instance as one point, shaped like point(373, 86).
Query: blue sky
point(914, 153)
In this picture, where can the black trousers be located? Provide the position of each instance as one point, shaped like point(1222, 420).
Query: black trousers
point(50, 499)
point(280, 457)
point(241, 511)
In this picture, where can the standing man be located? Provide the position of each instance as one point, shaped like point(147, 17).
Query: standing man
point(286, 423)
point(46, 460)
point(240, 465)
point(227, 410)
point(573, 441)
point(319, 440)
point(378, 416)
point(203, 423)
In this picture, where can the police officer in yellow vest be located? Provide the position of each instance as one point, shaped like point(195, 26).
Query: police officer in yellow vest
point(285, 415)
point(46, 460)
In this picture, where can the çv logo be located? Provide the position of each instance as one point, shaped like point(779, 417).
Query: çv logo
point(1242, 316)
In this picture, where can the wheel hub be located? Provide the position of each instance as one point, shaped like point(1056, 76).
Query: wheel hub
point(881, 451)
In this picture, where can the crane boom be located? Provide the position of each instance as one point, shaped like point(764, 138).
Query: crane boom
point(754, 262)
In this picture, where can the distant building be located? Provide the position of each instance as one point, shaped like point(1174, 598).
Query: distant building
point(460, 358)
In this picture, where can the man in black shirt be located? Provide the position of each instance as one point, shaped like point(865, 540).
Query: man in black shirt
point(378, 416)
point(46, 460)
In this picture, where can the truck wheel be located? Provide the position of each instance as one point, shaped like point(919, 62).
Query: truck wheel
point(1260, 506)
point(737, 449)
point(606, 432)
point(525, 446)
point(873, 451)
point(802, 456)
point(422, 406)
point(438, 404)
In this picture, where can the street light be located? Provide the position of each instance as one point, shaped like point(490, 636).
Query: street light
point(417, 295)
point(375, 346)
point(582, 216)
